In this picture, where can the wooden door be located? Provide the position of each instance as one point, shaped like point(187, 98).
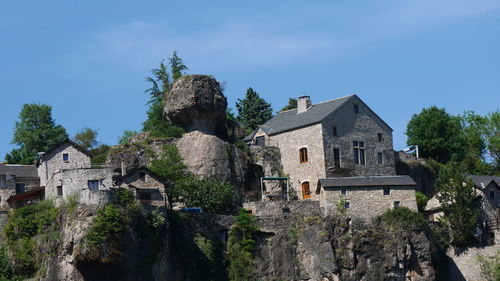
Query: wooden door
point(306, 192)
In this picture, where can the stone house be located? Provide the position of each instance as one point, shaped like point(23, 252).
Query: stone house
point(147, 187)
point(66, 170)
point(336, 138)
point(367, 197)
point(488, 191)
point(18, 179)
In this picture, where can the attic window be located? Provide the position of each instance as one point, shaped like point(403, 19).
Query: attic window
point(334, 131)
point(142, 176)
point(356, 108)
point(66, 157)
point(303, 155)
point(492, 194)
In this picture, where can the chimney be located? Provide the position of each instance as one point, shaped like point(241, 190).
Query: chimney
point(303, 103)
point(123, 168)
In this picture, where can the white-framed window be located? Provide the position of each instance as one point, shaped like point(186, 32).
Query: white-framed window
point(359, 152)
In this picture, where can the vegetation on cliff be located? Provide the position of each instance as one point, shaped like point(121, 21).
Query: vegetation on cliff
point(241, 246)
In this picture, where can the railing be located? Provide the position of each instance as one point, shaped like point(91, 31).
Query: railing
point(100, 165)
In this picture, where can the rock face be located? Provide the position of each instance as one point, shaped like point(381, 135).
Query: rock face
point(196, 102)
point(266, 163)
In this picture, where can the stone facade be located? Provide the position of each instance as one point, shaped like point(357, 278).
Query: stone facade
point(15, 175)
point(147, 187)
point(281, 208)
point(366, 203)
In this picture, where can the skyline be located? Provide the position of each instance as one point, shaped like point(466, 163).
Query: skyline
point(89, 60)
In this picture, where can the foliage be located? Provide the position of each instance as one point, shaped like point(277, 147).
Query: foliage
point(125, 138)
point(253, 110)
point(404, 218)
point(456, 196)
point(100, 154)
point(170, 166)
point(240, 247)
point(87, 138)
point(177, 66)
point(123, 197)
point(159, 128)
point(7, 272)
point(421, 201)
point(292, 104)
point(212, 195)
point(492, 137)
point(35, 132)
point(490, 267)
point(438, 134)
point(156, 218)
point(108, 221)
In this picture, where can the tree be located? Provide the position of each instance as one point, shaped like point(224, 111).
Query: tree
point(125, 138)
point(240, 247)
point(456, 196)
point(492, 135)
point(177, 66)
point(36, 131)
point(87, 138)
point(438, 135)
point(214, 196)
point(253, 110)
point(292, 104)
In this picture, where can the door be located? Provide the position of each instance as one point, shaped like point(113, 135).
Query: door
point(306, 192)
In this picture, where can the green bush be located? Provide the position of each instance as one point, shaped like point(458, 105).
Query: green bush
point(123, 197)
point(490, 267)
point(7, 272)
point(421, 201)
point(403, 217)
point(241, 246)
point(212, 195)
point(109, 221)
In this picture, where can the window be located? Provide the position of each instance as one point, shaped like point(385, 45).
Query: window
point(66, 157)
point(20, 188)
point(347, 205)
point(59, 191)
point(306, 191)
point(343, 191)
point(359, 152)
point(303, 155)
point(336, 157)
point(379, 137)
point(396, 204)
point(260, 141)
point(145, 196)
point(142, 176)
point(492, 194)
point(334, 131)
point(387, 191)
point(379, 157)
point(93, 185)
point(356, 108)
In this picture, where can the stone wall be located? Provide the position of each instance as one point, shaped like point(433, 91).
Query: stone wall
point(148, 185)
point(53, 162)
point(289, 144)
point(363, 126)
point(8, 187)
point(281, 208)
point(367, 202)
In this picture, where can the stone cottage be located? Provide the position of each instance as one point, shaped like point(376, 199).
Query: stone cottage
point(18, 179)
point(367, 197)
point(488, 191)
point(337, 138)
point(66, 170)
point(147, 187)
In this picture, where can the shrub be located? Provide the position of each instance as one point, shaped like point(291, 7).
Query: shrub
point(212, 195)
point(123, 197)
point(240, 248)
point(490, 267)
point(421, 201)
point(108, 221)
point(404, 218)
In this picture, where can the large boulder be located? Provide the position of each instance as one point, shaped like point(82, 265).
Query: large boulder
point(196, 102)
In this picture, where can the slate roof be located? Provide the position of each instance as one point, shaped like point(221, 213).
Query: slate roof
point(289, 120)
point(74, 144)
point(480, 181)
point(20, 171)
point(372, 181)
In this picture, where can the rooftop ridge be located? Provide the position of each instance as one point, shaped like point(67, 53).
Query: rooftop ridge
point(333, 99)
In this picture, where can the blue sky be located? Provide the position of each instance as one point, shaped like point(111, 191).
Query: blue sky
point(88, 59)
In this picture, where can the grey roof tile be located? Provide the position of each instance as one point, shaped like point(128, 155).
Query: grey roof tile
point(479, 181)
point(367, 181)
point(20, 171)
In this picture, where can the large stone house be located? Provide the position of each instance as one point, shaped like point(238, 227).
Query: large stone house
point(337, 138)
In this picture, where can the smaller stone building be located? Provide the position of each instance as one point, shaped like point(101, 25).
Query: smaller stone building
point(16, 179)
point(488, 190)
point(367, 197)
point(148, 187)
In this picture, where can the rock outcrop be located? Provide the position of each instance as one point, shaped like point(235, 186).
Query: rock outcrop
point(196, 102)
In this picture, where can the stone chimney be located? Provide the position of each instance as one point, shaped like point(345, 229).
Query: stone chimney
point(123, 168)
point(303, 103)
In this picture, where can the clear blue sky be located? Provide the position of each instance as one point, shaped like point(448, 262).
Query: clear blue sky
point(88, 59)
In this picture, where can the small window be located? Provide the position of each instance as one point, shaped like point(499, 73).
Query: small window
point(20, 188)
point(396, 204)
point(93, 185)
point(303, 157)
point(379, 157)
point(492, 194)
point(356, 108)
point(142, 176)
point(334, 131)
point(66, 157)
point(336, 157)
point(260, 141)
point(343, 191)
point(145, 196)
point(59, 190)
point(347, 205)
point(379, 137)
point(387, 191)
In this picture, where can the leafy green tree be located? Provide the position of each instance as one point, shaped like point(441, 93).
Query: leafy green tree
point(214, 196)
point(240, 247)
point(253, 110)
point(292, 104)
point(125, 138)
point(438, 134)
point(177, 66)
point(456, 196)
point(421, 201)
point(492, 135)
point(170, 166)
point(87, 138)
point(36, 131)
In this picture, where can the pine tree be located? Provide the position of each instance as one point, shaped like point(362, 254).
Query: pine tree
point(253, 110)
